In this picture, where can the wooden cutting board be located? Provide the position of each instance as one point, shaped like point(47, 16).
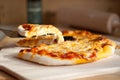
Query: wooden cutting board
point(32, 71)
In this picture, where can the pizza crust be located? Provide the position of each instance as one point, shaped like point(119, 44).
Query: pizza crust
point(47, 60)
point(107, 51)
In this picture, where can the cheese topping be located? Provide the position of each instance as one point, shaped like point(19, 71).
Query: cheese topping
point(64, 50)
point(30, 30)
point(83, 47)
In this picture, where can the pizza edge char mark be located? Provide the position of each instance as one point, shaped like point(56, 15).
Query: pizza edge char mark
point(30, 30)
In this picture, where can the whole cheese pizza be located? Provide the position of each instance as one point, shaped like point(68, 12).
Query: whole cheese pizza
point(37, 34)
point(78, 47)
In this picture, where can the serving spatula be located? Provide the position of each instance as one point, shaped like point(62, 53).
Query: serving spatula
point(6, 41)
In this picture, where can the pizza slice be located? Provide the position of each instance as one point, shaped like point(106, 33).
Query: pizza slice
point(83, 50)
point(38, 34)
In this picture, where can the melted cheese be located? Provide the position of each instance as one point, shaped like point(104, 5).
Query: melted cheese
point(84, 49)
point(69, 46)
point(39, 30)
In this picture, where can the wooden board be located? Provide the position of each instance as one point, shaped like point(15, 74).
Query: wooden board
point(32, 71)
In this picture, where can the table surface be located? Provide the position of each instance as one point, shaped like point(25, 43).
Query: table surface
point(111, 76)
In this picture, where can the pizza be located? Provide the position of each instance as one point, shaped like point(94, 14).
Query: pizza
point(36, 41)
point(78, 47)
point(38, 34)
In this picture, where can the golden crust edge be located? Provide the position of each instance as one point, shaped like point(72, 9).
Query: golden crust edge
point(107, 52)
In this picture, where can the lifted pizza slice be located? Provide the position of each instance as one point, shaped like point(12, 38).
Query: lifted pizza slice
point(39, 34)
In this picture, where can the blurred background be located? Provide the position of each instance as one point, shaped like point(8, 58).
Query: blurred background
point(15, 12)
